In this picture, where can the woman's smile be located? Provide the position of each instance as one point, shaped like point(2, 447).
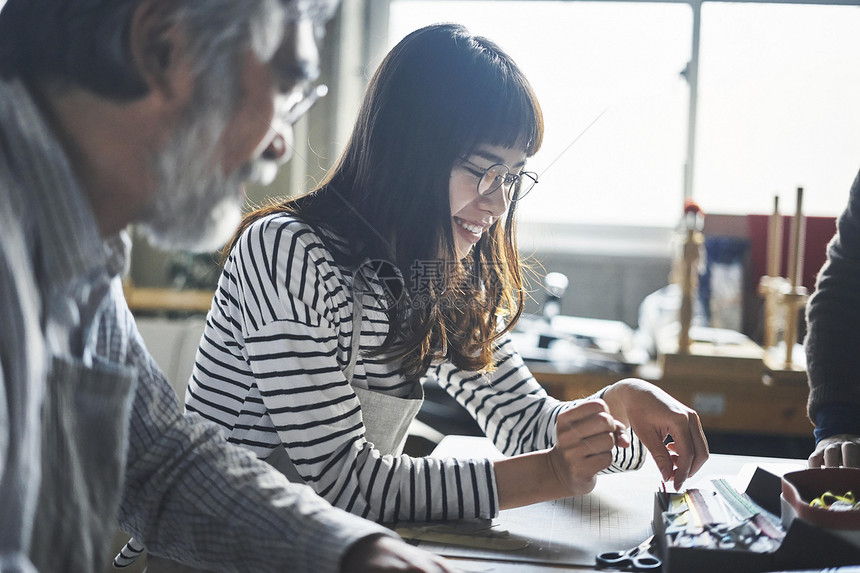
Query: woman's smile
point(473, 231)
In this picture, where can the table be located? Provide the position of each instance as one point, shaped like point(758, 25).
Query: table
point(564, 535)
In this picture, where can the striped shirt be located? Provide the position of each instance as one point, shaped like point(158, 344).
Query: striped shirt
point(270, 370)
point(77, 383)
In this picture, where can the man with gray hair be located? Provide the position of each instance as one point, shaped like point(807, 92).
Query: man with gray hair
point(154, 112)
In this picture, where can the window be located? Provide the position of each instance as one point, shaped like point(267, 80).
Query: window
point(779, 107)
point(777, 103)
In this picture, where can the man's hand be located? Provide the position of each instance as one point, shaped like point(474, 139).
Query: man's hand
point(837, 450)
point(653, 415)
point(586, 434)
point(384, 554)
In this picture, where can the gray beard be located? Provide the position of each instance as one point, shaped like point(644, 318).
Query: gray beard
point(196, 207)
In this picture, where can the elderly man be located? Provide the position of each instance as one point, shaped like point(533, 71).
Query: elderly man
point(147, 111)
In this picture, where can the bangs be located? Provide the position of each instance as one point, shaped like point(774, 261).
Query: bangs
point(512, 116)
point(512, 121)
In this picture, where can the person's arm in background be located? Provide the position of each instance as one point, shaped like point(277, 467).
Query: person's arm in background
point(833, 345)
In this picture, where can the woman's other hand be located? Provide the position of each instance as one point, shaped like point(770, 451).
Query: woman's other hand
point(586, 434)
point(654, 415)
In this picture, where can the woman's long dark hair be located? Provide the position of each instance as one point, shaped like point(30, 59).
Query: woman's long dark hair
point(437, 96)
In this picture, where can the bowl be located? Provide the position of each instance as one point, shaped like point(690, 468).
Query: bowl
point(801, 487)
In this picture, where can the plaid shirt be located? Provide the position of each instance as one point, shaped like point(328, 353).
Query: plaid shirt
point(112, 436)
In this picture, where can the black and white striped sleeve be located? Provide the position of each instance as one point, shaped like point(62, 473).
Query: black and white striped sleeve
point(513, 409)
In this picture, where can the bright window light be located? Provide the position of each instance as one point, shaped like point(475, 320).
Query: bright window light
point(612, 66)
point(779, 107)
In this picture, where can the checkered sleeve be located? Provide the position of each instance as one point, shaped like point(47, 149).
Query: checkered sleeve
point(192, 497)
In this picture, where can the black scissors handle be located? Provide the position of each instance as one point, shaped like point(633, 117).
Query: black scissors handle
point(646, 562)
point(612, 559)
point(635, 559)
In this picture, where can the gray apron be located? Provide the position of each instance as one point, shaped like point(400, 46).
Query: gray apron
point(85, 418)
point(386, 424)
point(386, 418)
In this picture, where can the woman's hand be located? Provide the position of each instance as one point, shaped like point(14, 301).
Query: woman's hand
point(585, 436)
point(653, 415)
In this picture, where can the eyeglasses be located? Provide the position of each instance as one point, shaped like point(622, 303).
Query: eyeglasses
point(516, 185)
point(299, 102)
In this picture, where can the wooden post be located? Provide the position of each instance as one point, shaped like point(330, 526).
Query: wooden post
point(796, 298)
point(795, 255)
point(774, 241)
point(689, 273)
point(769, 284)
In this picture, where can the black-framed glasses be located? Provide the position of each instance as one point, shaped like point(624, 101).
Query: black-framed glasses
point(516, 185)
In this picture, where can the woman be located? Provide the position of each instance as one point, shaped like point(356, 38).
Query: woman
point(403, 265)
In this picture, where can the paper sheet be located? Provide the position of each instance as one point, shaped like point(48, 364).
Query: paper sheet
point(571, 531)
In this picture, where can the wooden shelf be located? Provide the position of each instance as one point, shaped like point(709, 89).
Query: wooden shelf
point(149, 299)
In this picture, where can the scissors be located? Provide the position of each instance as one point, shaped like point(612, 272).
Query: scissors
point(637, 558)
